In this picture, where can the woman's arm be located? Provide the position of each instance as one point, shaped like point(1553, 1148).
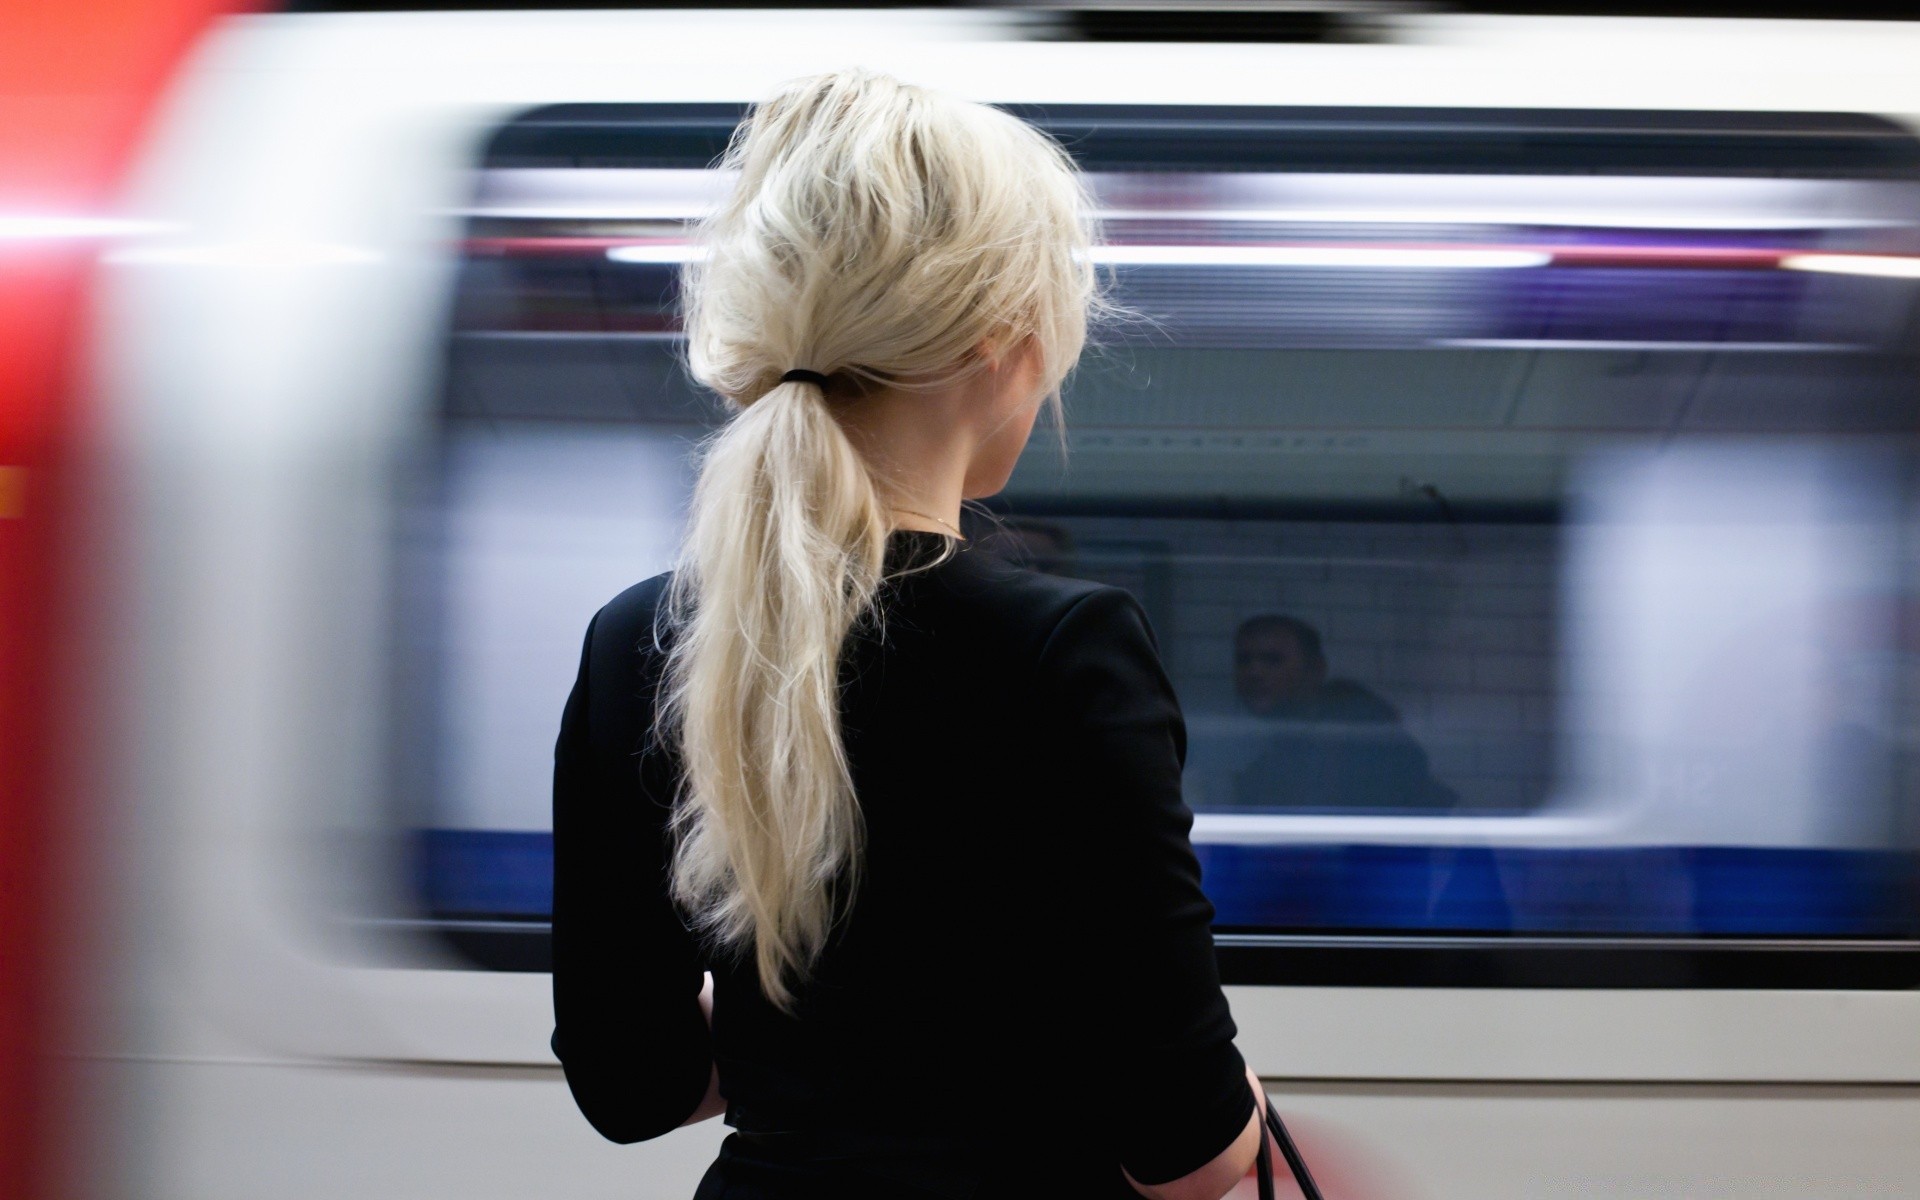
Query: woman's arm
point(1227, 1168)
point(629, 1027)
point(1182, 1113)
point(713, 1103)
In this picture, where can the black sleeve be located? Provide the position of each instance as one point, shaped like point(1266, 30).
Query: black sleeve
point(626, 974)
point(1162, 1033)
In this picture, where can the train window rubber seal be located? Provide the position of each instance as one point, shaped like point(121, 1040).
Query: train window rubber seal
point(1309, 960)
point(1349, 139)
point(1248, 138)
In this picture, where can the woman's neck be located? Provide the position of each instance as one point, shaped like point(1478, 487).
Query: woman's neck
point(919, 446)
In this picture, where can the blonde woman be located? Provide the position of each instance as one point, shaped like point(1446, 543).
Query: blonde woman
point(911, 814)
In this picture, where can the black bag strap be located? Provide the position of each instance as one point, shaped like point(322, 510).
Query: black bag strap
point(1275, 1131)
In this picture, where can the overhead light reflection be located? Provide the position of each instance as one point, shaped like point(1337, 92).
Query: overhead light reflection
point(1387, 257)
point(656, 252)
point(1390, 257)
point(1886, 266)
point(32, 227)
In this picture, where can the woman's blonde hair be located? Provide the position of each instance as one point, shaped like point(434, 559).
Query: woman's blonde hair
point(877, 234)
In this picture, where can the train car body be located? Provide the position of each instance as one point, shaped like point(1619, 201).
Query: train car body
point(1560, 374)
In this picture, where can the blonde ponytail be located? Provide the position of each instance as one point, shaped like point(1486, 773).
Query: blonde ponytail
point(783, 553)
point(877, 234)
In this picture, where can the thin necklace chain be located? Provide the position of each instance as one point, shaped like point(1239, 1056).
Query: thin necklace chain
point(929, 516)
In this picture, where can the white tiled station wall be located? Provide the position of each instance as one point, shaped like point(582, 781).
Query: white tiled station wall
point(1454, 624)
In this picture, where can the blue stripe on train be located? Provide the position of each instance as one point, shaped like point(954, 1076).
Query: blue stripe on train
point(1635, 890)
point(485, 872)
point(1631, 890)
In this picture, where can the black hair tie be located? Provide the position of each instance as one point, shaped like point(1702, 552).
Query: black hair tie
point(801, 376)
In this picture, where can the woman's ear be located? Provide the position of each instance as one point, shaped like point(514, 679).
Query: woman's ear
point(989, 351)
point(999, 350)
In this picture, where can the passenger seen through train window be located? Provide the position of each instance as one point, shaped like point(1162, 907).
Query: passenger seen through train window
point(1337, 743)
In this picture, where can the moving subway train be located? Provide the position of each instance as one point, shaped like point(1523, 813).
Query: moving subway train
point(1512, 439)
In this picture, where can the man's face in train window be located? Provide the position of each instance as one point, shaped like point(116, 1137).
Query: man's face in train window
point(1270, 669)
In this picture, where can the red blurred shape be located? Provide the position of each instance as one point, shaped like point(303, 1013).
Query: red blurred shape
point(1343, 1166)
point(78, 83)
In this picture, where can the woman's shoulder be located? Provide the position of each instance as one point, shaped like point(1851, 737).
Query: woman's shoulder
point(1014, 604)
point(1039, 610)
point(628, 621)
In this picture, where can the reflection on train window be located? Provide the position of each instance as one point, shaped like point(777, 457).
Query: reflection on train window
point(1340, 666)
point(1528, 522)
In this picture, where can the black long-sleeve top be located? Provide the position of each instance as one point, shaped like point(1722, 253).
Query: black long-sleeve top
point(1026, 975)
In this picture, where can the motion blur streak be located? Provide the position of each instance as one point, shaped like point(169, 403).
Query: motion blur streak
point(76, 85)
point(1888, 265)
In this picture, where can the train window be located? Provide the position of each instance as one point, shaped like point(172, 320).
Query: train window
point(1525, 503)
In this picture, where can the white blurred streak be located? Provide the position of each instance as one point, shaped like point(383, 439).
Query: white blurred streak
point(566, 193)
point(1887, 266)
point(1362, 257)
point(1708, 587)
point(664, 252)
point(64, 226)
point(545, 526)
point(1606, 202)
point(264, 254)
point(1620, 202)
point(1387, 258)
